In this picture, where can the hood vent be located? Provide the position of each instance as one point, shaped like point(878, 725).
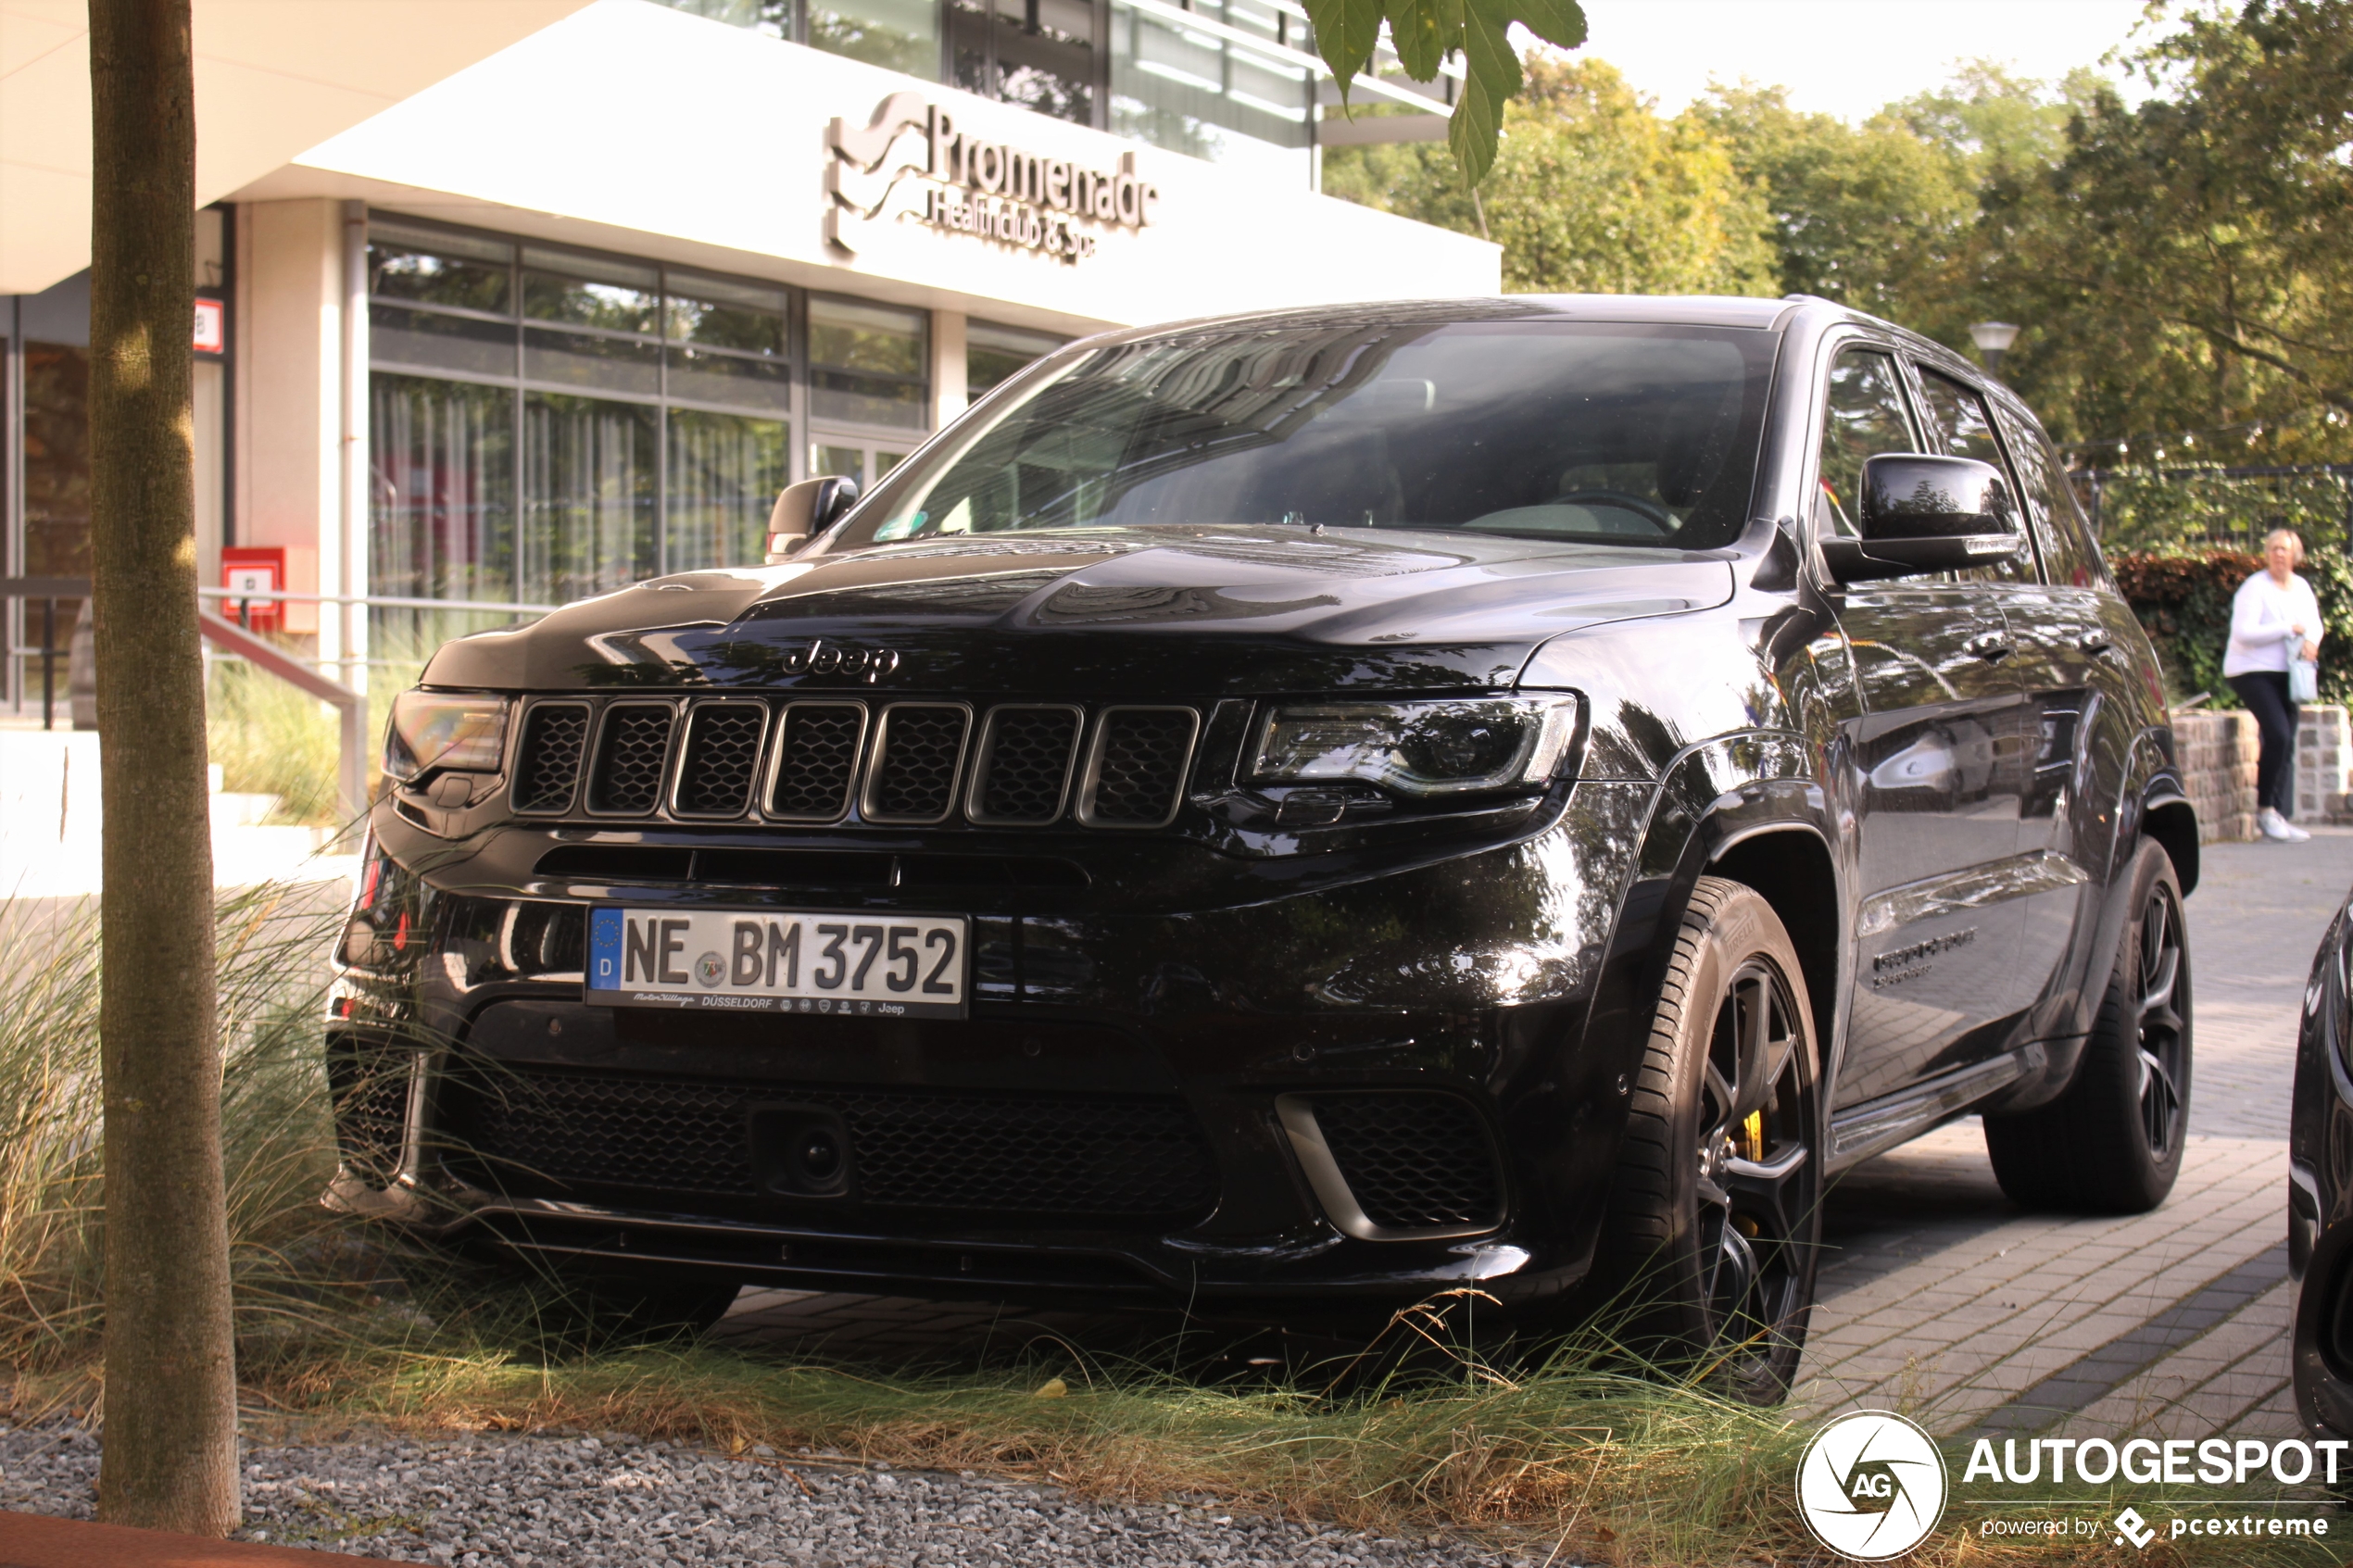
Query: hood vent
point(830, 760)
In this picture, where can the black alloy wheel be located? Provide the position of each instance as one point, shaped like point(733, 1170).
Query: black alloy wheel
point(2111, 1143)
point(1716, 1221)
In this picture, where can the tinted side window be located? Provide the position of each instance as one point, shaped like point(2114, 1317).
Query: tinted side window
point(1959, 425)
point(1956, 419)
point(2061, 531)
point(1865, 418)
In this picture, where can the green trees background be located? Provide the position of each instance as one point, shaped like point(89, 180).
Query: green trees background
point(2182, 265)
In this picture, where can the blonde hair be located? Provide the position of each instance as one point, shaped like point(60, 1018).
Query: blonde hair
point(2289, 534)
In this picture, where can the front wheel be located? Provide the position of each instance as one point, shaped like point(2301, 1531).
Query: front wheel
point(2111, 1143)
point(1716, 1215)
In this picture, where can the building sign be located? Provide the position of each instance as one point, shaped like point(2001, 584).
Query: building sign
point(212, 326)
point(912, 161)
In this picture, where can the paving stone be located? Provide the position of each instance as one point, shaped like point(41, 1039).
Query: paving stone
point(1937, 1275)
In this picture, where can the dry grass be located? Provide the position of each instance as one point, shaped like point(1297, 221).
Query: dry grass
point(1577, 1453)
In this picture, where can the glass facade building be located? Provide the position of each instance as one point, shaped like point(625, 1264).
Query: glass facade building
point(546, 422)
point(1230, 80)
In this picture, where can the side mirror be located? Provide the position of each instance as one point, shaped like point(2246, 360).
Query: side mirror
point(1919, 513)
point(805, 510)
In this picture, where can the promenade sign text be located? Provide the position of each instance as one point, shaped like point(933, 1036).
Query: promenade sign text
point(912, 160)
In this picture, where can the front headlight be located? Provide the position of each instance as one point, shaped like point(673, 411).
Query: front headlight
point(432, 729)
point(1454, 747)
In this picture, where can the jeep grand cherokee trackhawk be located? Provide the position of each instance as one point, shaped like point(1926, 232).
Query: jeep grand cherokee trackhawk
point(1301, 811)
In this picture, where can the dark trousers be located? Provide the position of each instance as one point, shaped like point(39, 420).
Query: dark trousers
point(2265, 694)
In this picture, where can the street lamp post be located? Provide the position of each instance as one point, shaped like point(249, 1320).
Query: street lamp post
point(1992, 340)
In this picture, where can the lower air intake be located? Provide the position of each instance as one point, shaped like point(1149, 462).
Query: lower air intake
point(369, 1087)
point(1412, 1162)
point(544, 1131)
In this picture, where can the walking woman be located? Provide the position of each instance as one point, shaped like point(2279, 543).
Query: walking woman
point(2275, 619)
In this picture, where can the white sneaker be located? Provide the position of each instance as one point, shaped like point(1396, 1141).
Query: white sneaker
point(2273, 825)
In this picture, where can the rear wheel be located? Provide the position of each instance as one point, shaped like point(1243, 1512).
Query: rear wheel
point(1716, 1214)
point(2111, 1143)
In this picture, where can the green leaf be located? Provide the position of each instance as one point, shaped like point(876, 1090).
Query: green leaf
point(1471, 132)
point(1346, 32)
point(1425, 33)
point(1559, 22)
point(1494, 76)
point(1487, 47)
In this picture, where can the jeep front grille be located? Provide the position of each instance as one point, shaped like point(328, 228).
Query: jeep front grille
point(816, 760)
point(1136, 776)
point(722, 758)
point(919, 751)
point(632, 749)
point(554, 736)
point(1023, 773)
point(822, 761)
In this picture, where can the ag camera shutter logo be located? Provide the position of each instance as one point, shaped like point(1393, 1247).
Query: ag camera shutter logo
point(1872, 1485)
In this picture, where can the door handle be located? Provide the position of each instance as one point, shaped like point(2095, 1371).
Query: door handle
point(1991, 646)
point(2095, 642)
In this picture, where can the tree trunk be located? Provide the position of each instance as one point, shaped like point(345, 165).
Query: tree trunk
point(171, 1370)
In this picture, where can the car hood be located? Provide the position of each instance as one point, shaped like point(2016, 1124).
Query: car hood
point(1164, 610)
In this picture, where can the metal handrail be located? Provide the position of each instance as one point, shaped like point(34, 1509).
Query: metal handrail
point(277, 595)
point(48, 590)
point(351, 706)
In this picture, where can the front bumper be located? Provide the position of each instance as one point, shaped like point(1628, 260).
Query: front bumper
point(1358, 1090)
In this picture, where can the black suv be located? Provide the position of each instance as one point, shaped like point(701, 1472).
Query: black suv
point(1301, 811)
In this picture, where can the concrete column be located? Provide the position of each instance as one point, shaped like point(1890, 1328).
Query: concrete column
point(947, 390)
point(289, 388)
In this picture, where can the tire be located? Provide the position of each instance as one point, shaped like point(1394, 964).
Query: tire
point(2111, 1143)
point(1715, 1225)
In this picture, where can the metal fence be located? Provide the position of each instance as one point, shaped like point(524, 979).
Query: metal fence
point(2169, 510)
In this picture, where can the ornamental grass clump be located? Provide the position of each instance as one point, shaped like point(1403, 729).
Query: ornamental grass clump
point(277, 1145)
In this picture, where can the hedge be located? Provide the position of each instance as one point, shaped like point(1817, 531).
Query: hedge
point(2183, 600)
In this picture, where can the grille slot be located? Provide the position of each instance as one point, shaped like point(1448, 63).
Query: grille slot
point(817, 762)
point(633, 748)
point(1412, 1162)
point(1023, 774)
point(720, 758)
point(537, 1131)
point(554, 736)
point(919, 750)
point(1135, 772)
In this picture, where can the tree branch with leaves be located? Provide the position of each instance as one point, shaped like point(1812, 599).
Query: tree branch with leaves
point(1426, 34)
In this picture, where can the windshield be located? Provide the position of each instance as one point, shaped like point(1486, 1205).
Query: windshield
point(1587, 432)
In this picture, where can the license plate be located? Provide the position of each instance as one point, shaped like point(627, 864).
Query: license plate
point(770, 961)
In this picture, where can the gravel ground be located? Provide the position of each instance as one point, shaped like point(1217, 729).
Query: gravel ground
point(480, 1501)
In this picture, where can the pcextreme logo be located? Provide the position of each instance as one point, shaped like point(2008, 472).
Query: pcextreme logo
point(1872, 1485)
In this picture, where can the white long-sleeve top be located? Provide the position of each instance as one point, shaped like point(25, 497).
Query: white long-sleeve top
point(2262, 614)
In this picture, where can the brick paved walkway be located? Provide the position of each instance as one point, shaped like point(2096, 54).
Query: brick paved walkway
point(1944, 1299)
point(1941, 1297)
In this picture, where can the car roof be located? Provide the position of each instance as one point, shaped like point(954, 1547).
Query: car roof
point(1699, 311)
